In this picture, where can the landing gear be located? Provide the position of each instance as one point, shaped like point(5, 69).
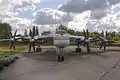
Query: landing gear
point(78, 50)
point(38, 49)
point(60, 58)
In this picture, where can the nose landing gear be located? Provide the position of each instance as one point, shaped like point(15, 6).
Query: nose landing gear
point(60, 58)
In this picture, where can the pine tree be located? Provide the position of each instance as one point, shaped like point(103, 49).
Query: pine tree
point(37, 31)
point(25, 33)
point(34, 31)
point(30, 32)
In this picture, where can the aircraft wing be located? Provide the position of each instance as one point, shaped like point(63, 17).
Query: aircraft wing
point(93, 39)
point(81, 39)
point(2, 40)
point(43, 37)
point(27, 38)
point(17, 37)
point(76, 37)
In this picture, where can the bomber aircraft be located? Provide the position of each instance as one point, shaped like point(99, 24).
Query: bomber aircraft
point(61, 39)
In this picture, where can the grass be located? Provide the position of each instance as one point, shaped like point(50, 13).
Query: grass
point(4, 50)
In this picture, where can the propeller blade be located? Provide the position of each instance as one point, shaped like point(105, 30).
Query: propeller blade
point(30, 46)
point(88, 47)
point(15, 33)
point(33, 45)
point(87, 34)
point(30, 33)
point(102, 33)
point(106, 34)
point(101, 45)
point(10, 34)
point(84, 33)
point(34, 32)
point(12, 45)
point(104, 46)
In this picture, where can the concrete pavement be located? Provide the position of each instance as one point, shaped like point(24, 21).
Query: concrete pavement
point(77, 66)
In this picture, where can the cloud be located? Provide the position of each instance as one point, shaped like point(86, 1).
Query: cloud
point(79, 21)
point(18, 23)
point(30, 8)
point(98, 13)
point(113, 1)
point(92, 14)
point(5, 6)
point(84, 20)
point(49, 16)
point(20, 2)
point(83, 5)
point(9, 13)
point(11, 5)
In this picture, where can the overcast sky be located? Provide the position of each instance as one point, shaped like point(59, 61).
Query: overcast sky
point(96, 15)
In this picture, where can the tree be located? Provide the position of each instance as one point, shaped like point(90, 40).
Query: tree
point(25, 33)
point(30, 32)
point(62, 27)
point(5, 30)
point(37, 31)
point(34, 31)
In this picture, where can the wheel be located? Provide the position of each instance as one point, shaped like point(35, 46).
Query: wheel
point(60, 58)
point(38, 49)
point(78, 50)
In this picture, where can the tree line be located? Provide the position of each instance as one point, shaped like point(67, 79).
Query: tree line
point(34, 31)
point(112, 35)
point(5, 30)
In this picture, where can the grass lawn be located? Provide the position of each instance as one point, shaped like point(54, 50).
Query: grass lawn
point(4, 50)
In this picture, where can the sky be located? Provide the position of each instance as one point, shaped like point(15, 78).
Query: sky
point(94, 15)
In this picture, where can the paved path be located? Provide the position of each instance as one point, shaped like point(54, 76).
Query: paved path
point(77, 66)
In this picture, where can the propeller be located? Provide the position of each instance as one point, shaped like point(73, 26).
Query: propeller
point(84, 36)
point(87, 40)
point(104, 40)
point(12, 40)
point(32, 39)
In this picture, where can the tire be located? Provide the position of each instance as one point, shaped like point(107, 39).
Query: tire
point(78, 50)
point(38, 49)
point(60, 58)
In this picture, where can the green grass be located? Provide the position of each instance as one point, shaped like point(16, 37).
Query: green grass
point(11, 52)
